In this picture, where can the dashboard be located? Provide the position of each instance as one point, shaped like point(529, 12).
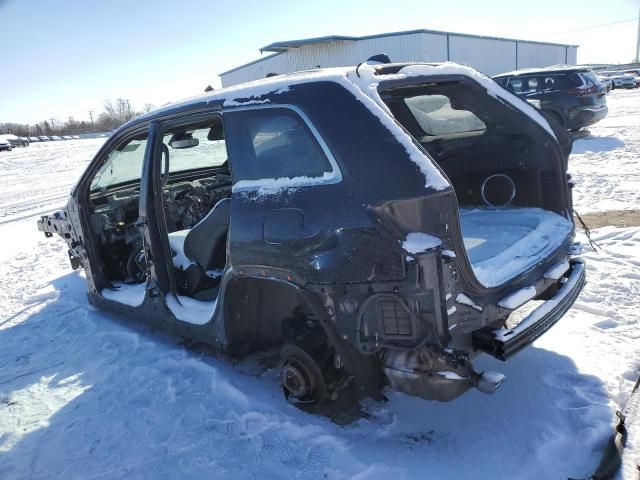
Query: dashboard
point(114, 215)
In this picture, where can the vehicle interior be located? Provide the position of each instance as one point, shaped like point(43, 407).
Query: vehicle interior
point(196, 195)
point(196, 186)
point(506, 174)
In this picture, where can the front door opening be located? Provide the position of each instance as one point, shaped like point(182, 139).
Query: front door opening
point(114, 200)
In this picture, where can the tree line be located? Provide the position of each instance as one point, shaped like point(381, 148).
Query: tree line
point(114, 114)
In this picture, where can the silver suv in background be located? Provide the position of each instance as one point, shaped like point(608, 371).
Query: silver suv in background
point(621, 79)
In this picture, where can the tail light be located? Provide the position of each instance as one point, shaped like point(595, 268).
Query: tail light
point(581, 91)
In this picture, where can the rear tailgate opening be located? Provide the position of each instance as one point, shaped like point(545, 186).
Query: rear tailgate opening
point(502, 243)
point(508, 173)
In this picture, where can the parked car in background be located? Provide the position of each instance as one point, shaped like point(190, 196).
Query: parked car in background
point(34, 139)
point(572, 96)
point(55, 137)
point(606, 81)
point(14, 140)
point(636, 74)
point(44, 138)
point(5, 145)
point(342, 215)
point(621, 80)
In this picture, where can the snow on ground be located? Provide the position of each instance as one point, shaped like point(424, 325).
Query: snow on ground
point(85, 395)
point(605, 164)
point(38, 178)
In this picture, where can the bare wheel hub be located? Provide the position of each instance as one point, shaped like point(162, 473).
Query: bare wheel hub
point(295, 380)
point(301, 378)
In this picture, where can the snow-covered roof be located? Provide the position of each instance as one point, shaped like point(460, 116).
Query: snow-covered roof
point(364, 79)
point(367, 78)
point(254, 89)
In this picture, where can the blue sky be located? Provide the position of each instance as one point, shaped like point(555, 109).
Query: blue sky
point(63, 58)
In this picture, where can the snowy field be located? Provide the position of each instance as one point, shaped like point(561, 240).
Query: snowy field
point(84, 395)
point(605, 164)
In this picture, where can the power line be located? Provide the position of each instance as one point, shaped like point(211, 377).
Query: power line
point(595, 26)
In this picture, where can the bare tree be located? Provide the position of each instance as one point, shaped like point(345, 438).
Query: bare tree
point(116, 113)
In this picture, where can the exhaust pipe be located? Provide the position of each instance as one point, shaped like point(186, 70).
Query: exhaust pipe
point(489, 381)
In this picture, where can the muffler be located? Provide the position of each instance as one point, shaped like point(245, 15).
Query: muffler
point(440, 376)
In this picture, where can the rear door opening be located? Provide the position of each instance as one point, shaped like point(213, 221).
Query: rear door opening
point(508, 175)
point(194, 189)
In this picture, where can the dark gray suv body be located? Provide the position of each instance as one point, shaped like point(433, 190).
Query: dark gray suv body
point(379, 224)
point(572, 96)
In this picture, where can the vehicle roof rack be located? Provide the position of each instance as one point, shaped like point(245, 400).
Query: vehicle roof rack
point(380, 58)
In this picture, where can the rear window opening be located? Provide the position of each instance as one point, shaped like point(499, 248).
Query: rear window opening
point(507, 176)
point(439, 120)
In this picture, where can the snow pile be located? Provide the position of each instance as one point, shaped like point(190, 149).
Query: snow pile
point(189, 310)
point(462, 299)
point(273, 186)
point(502, 243)
point(517, 298)
point(129, 294)
point(557, 271)
point(176, 241)
point(418, 242)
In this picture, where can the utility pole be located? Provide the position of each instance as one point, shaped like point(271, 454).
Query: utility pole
point(91, 118)
point(637, 59)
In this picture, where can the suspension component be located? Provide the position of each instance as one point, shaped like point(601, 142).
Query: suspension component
point(301, 377)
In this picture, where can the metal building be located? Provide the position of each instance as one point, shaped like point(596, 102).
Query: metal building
point(491, 55)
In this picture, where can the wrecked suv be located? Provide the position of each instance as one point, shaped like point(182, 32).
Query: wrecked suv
point(380, 225)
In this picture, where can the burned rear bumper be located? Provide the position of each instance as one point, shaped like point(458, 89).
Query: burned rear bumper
point(502, 343)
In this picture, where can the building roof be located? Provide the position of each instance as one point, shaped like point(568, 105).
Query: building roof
point(282, 47)
point(288, 44)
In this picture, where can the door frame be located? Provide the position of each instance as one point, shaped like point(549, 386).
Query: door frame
point(160, 244)
point(81, 195)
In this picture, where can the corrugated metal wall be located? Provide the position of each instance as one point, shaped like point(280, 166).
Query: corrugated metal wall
point(486, 55)
point(490, 56)
point(532, 55)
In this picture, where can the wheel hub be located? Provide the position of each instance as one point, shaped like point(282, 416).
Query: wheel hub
point(300, 375)
point(295, 380)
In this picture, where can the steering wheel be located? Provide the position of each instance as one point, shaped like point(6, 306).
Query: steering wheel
point(137, 265)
